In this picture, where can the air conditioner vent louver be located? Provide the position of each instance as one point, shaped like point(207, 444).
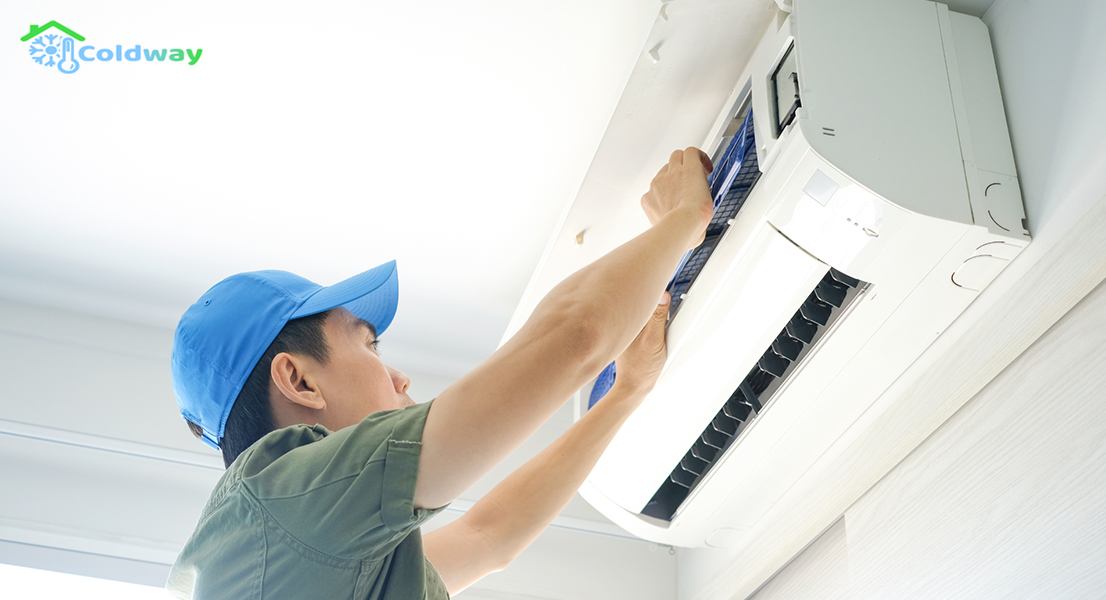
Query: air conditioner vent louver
point(730, 182)
point(825, 304)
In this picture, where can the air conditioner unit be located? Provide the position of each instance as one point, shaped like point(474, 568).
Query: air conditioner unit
point(865, 194)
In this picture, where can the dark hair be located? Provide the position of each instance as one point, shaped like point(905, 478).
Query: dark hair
point(252, 415)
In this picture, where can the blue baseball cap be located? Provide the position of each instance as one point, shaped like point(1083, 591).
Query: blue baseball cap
point(221, 337)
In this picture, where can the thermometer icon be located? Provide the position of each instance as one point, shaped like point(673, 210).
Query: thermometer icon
point(68, 64)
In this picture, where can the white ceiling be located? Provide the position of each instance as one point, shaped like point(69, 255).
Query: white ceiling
point(320, 138)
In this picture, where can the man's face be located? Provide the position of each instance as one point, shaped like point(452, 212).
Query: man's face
point(354, 381)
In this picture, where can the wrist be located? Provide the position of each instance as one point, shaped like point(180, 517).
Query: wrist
point(690, 222)
point(630, 390)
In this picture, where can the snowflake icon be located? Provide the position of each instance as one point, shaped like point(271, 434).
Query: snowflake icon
point(46, 49)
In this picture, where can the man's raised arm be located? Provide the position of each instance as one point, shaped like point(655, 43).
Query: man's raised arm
point(491, 534)
point(577, 329)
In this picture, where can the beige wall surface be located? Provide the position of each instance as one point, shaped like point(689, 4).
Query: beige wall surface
point(1005, 500)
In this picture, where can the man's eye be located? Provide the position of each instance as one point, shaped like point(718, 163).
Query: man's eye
point(375, 344)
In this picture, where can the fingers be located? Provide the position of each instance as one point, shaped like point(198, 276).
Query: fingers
point(708, 166)
point(675, 159)
point(652, 334)
point(679, 184)
point(678, 157)
point(654, 327)
point(661, 312)
point(640, 365)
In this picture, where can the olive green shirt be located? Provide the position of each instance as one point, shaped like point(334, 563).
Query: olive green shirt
point(307, 513)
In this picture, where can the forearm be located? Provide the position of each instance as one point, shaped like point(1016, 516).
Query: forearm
point(580, 327)
point(491, 534)
point(526, 502)
point(616, 293)
point(577, 329)
point(583, 323)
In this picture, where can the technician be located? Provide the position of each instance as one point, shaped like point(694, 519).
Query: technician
point(332, 468)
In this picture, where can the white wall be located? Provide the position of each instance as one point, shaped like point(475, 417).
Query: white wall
point(563, 565)
point(973, 506)
point(1004, 501)
point(105, 478)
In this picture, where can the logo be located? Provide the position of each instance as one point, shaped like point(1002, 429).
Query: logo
point(55, 45)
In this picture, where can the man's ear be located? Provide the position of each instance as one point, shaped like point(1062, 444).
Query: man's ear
point(294, 379)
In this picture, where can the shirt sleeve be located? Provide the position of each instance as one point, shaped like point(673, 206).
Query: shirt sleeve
point(348, 494)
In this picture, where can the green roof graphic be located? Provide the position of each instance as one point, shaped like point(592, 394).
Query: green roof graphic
point(35, 30)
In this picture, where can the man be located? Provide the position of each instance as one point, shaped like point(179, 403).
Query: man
point(332, 467)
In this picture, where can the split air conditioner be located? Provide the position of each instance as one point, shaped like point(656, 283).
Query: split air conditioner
point(866, 192)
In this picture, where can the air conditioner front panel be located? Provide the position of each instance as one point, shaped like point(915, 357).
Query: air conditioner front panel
point(753, 283)
point(899, 138)
point(849, 230)
point(754, 293)
point(857, 360)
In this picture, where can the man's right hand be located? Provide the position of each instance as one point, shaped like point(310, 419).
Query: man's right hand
point(681, 186)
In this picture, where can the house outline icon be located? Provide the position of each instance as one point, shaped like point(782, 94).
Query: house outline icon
point(36, 30)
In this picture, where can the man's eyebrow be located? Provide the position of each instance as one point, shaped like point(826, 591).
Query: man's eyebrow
point(364, 323)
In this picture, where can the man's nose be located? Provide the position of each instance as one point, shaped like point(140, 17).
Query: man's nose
point(399, 381)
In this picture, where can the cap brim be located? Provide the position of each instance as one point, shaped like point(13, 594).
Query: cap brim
point(372, 296)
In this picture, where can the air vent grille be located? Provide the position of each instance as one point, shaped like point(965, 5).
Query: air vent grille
point(825, 304)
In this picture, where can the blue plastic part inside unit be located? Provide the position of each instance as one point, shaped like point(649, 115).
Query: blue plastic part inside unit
point(602, 385)
point(730, 182)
